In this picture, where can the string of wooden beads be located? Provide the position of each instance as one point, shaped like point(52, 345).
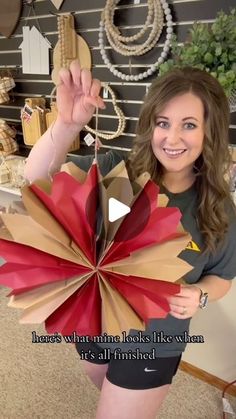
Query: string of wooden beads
point(61, 38)
point(153, 67)
point(122, 47)
point(121, 118)
point(109, 12)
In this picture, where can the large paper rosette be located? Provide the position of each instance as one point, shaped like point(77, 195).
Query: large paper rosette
point(69, 267)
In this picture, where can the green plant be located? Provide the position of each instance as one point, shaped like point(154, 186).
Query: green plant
point(211, 48)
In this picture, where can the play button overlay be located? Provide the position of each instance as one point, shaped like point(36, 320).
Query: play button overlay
point(116, 210)
point(135, 215)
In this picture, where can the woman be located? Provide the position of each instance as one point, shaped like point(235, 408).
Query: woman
point(182, 141)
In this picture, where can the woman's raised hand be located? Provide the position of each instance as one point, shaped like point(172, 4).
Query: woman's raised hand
point(77, 96)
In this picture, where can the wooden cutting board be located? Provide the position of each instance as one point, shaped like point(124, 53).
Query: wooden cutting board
point(9, 16)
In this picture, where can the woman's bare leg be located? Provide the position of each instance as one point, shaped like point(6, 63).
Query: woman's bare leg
point(121, 403)
point(96, 372)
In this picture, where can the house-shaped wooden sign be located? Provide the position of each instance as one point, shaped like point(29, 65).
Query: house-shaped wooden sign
point(57, 3)
point(35, 52)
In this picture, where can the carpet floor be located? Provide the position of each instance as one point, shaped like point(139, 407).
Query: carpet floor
point(46, 380)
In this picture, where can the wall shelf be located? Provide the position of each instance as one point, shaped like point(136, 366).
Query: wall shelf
point(8, 188)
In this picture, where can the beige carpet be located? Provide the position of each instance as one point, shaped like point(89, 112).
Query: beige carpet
point(46, 381)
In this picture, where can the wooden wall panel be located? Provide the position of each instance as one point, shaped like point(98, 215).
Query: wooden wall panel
point(87, 15)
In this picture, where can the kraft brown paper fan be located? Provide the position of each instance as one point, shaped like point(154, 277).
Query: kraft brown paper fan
point(75, 270)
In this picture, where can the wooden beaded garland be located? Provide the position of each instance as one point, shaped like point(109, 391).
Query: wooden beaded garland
point(121, 117)
point(153, 67)
point(113, 33)
point(109, 12)
point(61, 37)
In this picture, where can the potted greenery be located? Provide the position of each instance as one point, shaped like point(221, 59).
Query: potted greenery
point(211, 48)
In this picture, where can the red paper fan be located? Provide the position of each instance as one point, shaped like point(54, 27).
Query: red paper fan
point(59, 276)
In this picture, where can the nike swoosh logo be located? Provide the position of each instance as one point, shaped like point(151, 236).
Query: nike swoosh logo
point(148, 370)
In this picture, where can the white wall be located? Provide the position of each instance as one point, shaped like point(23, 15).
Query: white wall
point(217, 323)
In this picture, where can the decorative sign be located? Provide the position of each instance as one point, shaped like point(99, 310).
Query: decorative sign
point(9, 16)
point(35, 54)
point(70, 46)
point(57, 3)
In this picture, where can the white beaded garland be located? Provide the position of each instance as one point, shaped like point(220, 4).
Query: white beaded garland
point(115, 32)
point(121, 117)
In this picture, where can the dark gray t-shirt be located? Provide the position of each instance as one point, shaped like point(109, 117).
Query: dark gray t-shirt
point(222, 264)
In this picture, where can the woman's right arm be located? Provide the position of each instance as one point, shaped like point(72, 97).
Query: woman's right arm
point(77, 98)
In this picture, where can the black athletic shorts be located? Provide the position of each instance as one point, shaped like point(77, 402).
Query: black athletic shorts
point(135, 374)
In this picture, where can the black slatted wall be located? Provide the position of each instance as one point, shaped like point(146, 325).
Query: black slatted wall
point(130, 17)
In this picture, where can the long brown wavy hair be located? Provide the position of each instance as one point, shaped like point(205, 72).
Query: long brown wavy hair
point(212, 166)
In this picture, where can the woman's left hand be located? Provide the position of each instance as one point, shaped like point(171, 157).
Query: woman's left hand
point(186, 303)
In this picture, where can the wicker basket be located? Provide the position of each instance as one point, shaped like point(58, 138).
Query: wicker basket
point(4, 97)
point(7, 143)
point(5, 128)
point(6, 84)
